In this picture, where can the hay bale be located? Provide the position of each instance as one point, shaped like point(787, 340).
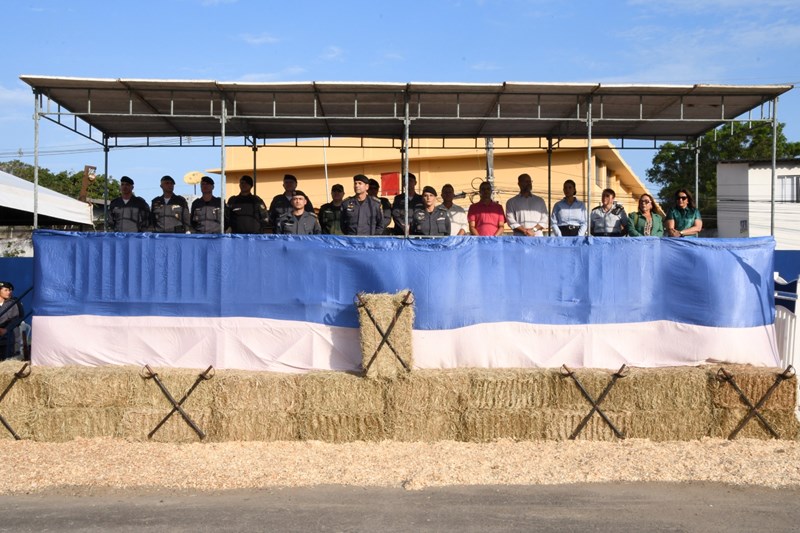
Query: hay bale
point(669, 425)
point(145, 393)
point(136, 423)
point(339, 392)
point(510, 388)
point(342, 427)
point(67, 423)
point(783, 422)
point(75, 386)
point(754, 382)
point(383, 308)
point(255, 424)
point(669, 389)
point(427, 405)
point(255, 391)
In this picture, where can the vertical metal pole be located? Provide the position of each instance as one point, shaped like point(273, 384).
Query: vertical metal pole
point(105, 183)
point(36, 111)
point(490, 162)
point(589, 163)
point(255, 165)
point(774, 164)
point(325, 163)
point(406, 126)
point(549, 175)
point(222, 118)
point(697, 172)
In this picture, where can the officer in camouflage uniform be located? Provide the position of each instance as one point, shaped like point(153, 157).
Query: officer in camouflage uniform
point(207, 210)
point(170, 212)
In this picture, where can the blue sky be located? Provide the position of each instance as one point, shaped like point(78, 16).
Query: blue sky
point(633, 41)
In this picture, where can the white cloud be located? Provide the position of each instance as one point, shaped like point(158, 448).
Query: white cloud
point(287, 74)
point(16, 97)
point(258, 40)
point(485, 66)
point(718, 6)
point(333, 53)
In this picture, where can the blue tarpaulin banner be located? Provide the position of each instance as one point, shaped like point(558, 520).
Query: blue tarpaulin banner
point(526, 292)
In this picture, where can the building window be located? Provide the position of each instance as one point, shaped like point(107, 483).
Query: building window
point(788, 189)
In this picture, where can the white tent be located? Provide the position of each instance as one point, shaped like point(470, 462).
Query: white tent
point(16, 204)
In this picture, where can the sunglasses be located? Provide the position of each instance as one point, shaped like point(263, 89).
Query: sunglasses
point(646, 201)
point(683, 197)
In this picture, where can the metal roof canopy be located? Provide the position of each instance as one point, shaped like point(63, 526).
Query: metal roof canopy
point(130, 108)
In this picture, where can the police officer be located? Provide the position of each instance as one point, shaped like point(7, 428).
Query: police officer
point(282, 203)
point(399, 205)
point(128, 212)
point(372, 190)
point(430, 219)
point(362, 213)
point(247, 212)
point(11, 314)
point(609, 218)
point(207, 210)
point(299, 221)
point(170, 212)
point(330, 214)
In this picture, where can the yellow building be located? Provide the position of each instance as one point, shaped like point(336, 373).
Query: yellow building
point(435, 162)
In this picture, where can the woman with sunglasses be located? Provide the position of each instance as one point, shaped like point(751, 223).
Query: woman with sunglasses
point(683, 220)
point(645, 222)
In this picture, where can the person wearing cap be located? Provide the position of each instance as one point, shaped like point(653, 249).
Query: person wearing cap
point(330, 214)
point(430, 219)
point(527, 213)
point(282, 203)
point(246, 211)
point(11, 314)
point(399, 205)
point(128, 212)
point(456, 213)
point(373, 189)
point(207, 210)
point(362, 213)
point(569, 214)
point(298, 221)
point(170, 211)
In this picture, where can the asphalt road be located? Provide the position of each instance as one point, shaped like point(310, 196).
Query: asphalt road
point(589, 507)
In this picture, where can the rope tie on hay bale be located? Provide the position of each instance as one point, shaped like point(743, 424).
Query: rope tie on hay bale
point(382, 349)
point(22, 373)
point(147, 373)
point(621, 373)
point(724, 375)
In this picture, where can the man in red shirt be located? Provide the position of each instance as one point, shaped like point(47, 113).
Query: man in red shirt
point(486, 217)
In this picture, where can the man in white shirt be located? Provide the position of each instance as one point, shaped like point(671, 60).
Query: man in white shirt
point(526, 213)
point(456, 213)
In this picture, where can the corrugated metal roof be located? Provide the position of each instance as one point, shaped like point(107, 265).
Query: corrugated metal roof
point(175, 108)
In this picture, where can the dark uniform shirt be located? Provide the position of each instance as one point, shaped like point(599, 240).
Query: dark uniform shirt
point(399, 211)
point(281, 205)
point(247, 214)
point(330, 219)
point(172, 216)
point(386, 206)
point(132, 216)
point(305, 224)
point(206, 216)
point(362, 218)
point(10, 319)
point(434, 223)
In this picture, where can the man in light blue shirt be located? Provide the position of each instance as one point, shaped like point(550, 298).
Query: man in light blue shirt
point(569, 215)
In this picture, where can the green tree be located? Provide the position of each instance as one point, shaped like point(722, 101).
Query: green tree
point(65, 182)
point(673, 165)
